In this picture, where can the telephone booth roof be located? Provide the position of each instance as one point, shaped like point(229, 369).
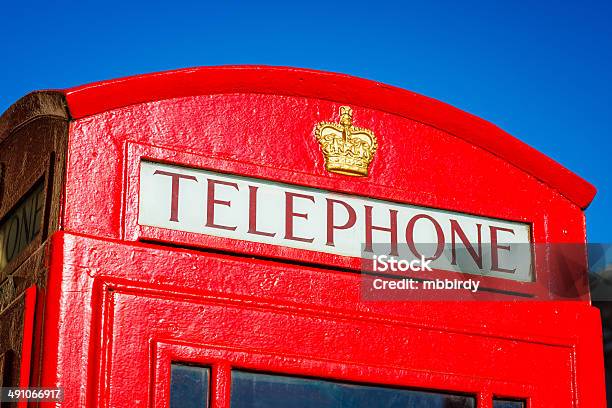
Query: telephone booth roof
point(103, 96)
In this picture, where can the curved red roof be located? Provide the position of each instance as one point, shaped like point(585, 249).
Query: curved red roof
point(102, 96)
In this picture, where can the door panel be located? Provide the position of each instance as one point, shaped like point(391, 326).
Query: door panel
point(148, 331)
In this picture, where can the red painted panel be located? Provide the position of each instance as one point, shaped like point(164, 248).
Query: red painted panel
point(134, 307)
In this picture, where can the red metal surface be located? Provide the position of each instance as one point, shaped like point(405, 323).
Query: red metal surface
point(123, 300)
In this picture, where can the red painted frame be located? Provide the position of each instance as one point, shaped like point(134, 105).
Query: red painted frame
point(544, 273)
point(222, 360)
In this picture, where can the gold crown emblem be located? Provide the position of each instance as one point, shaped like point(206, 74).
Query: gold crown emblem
point(347, 149)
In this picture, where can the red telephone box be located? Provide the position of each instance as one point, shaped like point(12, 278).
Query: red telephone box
point(196, 238)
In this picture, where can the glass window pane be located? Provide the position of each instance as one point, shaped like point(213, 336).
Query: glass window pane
point(254, 390)
point(503, 403)
point(189, 386)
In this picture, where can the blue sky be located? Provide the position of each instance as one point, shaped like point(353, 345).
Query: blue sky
point(540, 70)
